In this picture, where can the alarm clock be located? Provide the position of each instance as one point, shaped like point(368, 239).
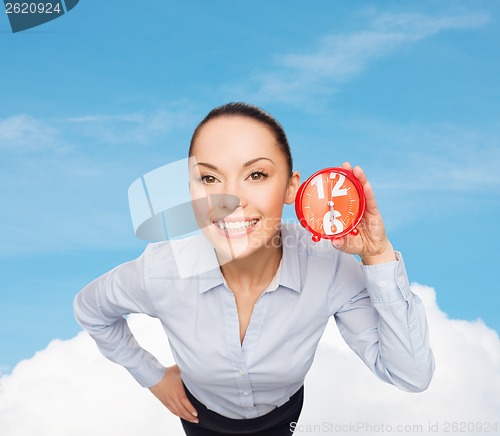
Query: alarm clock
point(330, 203)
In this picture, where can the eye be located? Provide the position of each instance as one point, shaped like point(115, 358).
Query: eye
point(257, 175)
point(208, 179)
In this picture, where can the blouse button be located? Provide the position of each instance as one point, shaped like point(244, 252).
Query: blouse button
point(242, 372)
point(246, 393)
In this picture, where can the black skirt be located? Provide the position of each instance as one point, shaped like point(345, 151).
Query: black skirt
point(278, 422)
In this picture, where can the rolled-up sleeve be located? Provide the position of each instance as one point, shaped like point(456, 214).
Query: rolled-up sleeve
point(100, 309)
point(385, 324)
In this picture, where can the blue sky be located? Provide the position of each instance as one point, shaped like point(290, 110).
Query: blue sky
point(91, 101)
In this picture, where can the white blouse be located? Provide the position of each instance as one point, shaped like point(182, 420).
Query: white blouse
point(376, 312)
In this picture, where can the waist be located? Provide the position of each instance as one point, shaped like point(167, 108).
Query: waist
point(209, 419)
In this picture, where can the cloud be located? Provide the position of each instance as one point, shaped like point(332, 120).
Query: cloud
point(25, 133)
point(423, 169)
point(64, 181)
point(70, 389)
point(54, 392)
point(336, 58)
point(437, 156)
point(138, 127)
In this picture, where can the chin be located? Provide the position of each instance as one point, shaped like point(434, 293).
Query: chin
point(229, 247)
point(242, 247)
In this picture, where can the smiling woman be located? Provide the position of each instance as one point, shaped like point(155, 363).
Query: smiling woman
point(245, 333)
point(237, 155)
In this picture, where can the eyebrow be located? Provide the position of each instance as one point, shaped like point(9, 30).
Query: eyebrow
point(246, 164)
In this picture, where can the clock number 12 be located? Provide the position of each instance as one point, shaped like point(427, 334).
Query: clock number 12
point(337, 190)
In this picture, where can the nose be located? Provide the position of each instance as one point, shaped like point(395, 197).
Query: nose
point(230, 201)
point(230, 195)
point(225, 203)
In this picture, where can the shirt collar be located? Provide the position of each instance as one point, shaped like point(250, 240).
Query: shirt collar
point(196, 261)
point(213, 277)
point(287, 275)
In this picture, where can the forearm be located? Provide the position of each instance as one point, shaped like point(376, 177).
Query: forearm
point(404, 354)
point(386, 326)
point(100, 309)
point(116, 342)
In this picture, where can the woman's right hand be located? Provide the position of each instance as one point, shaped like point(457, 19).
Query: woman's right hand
point(170, 391)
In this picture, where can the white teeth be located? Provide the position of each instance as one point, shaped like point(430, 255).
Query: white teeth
point(236, 225)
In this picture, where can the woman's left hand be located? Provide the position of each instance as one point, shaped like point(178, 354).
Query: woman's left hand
point(371, 243)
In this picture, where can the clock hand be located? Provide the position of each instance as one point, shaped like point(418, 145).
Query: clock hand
point(332, 211)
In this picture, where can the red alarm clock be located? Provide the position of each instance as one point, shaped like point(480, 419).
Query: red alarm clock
point(330, 203)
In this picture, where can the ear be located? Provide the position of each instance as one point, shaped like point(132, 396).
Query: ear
point(293, 187)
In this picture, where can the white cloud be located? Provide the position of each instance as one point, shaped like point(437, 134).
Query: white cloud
point(297, 77)
point(438, 156)
point(53, 201)
point(69, 389)
point(64, 181)
point(25, 133)
point(425, 169)
point(138, 127)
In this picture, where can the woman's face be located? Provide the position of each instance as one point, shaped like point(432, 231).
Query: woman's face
point(238, 166)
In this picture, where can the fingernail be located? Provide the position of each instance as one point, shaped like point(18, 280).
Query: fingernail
point(194, 413)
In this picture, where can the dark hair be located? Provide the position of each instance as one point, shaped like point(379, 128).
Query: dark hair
point(255, 113)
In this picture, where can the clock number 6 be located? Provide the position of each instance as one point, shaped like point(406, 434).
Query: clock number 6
point(331, 224)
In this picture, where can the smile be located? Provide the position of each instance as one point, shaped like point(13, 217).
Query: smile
point(235, 226)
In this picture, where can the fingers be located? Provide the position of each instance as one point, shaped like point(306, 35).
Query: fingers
point(170, 391)
point(371, 204)
point(338, 243)
point(347, 166)
point(357, 171)
point(360, 174)
point(181, 407)
point(188, 409)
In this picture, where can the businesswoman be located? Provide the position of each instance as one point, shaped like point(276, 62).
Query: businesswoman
point(244, 333)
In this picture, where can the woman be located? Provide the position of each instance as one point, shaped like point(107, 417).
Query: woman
point(244, 334)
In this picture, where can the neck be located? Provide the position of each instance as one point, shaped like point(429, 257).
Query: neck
point(253, 273)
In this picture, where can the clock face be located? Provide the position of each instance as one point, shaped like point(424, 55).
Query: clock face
point(330, 204)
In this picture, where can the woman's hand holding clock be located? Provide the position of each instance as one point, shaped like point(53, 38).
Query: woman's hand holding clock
point(338, 204)
point(371, 242)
